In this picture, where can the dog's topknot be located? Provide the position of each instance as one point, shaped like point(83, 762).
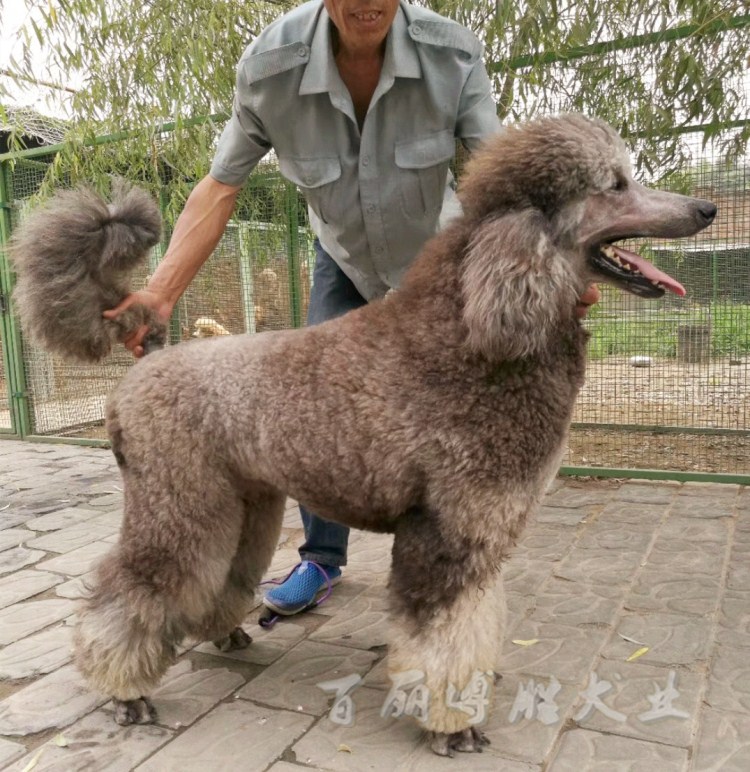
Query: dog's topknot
point(541, 164)
point(73, 257)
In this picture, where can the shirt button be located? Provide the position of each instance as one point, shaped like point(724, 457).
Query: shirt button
point(366, 161)
point(416, 29)
point(371, 208)
point(379, 250)
point(302, 51)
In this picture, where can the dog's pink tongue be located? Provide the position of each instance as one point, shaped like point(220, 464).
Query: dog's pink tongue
point(650, 271)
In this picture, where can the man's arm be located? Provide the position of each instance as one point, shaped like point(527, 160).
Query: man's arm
point(196, 234)
point(208, 209)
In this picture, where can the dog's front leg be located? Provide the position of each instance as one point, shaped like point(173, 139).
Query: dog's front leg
point(447, 627)
point(237, 640)
point(140, 711)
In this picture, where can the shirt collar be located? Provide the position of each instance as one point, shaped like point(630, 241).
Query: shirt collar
point(321, 74)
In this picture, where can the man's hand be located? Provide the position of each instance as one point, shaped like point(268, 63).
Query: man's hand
point(149, 298)
point(591, 296)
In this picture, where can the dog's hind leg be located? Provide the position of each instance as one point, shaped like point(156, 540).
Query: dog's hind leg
point(448, 614)
point(264, 511)
point(165, 579)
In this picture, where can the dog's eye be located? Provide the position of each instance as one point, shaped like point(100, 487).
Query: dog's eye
point(620, 184)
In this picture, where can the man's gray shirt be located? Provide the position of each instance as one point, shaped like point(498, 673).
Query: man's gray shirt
point(376, 196)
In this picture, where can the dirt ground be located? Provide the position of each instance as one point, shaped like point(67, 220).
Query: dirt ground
point(653, 450)
point(711, 395)
point(704, 397)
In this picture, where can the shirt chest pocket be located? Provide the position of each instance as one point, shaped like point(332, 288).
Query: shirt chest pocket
point(423, 167)
point(316, 178)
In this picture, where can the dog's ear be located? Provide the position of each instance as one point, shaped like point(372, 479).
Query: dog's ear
point(517, 286)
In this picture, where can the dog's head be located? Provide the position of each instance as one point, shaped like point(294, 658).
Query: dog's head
point(546, 202)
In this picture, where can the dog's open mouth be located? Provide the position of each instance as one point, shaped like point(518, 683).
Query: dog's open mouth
point(633, 273)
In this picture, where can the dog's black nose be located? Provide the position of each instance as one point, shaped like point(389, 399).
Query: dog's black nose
point(706, 212)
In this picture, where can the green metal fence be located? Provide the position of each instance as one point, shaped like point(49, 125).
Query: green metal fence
point(668, 386)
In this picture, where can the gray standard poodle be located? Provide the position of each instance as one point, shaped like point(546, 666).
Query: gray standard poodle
point(438, 414)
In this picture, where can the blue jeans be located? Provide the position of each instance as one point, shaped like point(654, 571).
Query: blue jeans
point(332, 294)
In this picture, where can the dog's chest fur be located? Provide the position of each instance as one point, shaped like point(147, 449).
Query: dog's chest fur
point(512, 415)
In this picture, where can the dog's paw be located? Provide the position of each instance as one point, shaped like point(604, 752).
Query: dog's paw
point(467, 741)
point(237, 639)
point(140, 711)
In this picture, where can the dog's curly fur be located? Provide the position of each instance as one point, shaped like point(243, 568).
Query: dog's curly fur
point(439, 414)
point(74, 257)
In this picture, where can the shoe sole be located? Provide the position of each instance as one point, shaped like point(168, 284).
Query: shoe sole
point(287, 612)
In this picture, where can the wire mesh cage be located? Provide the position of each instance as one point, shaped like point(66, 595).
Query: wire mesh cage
point(249, 285)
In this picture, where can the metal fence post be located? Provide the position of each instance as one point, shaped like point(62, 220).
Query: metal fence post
point(20, 414)
point(291, 205)
point(156, 256)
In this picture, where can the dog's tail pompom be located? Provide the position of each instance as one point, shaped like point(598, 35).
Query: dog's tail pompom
point(132, 226)
point(73, 258)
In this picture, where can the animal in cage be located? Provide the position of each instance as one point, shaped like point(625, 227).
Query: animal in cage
point(439, 414)
point(206, 327)
point(268, 305)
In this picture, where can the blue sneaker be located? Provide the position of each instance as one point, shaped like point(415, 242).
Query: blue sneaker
point(300, 589)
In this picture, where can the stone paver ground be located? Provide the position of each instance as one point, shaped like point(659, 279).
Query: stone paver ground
point(628, 645)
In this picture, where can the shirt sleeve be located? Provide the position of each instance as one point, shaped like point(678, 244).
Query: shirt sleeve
point(477, 115)
point(243, 142)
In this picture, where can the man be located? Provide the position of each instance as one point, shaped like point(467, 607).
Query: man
point(362, 101)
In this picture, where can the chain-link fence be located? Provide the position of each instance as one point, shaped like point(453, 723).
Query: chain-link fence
point(668, 384)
